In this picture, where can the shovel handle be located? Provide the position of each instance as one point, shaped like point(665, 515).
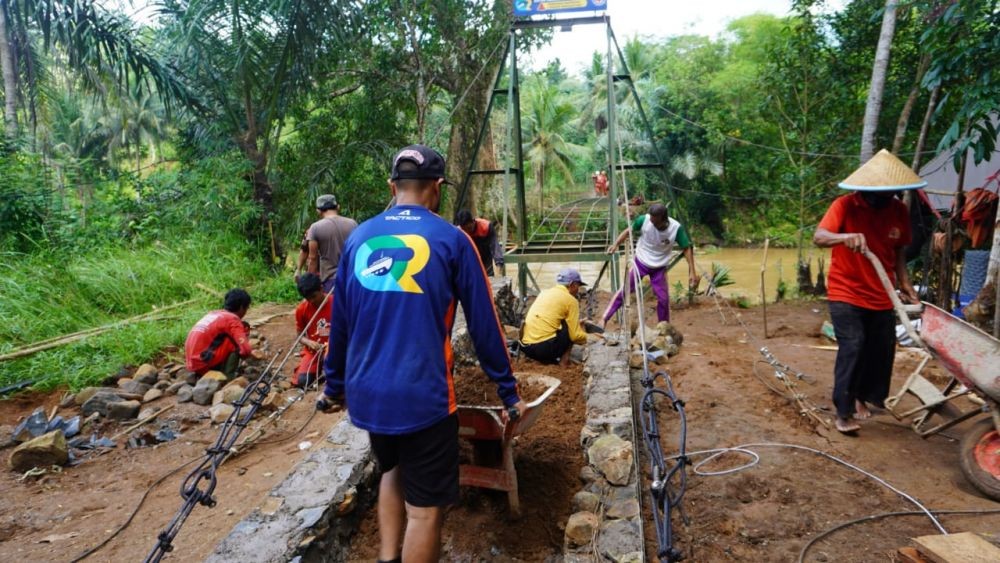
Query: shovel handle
point(904, 318)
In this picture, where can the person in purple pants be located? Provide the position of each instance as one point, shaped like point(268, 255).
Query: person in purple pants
point(657, 234)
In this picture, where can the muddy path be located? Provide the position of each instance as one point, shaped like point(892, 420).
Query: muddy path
point(770, 511)
point(58, 516)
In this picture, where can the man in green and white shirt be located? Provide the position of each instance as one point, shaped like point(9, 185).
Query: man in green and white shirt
point(657, 235)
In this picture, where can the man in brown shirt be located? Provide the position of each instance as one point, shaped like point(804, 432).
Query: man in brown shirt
point(326, 239)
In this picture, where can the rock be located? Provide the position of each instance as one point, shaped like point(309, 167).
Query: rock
point(634, 557)
point(580, 528)
point(67, 401)
point(612, 456)
point(220, 412)
point(164, 375)
point(32, 427)
point(227, 395)
point(239, 381)
point(273, 401)
point(185, 393)
point(216, 375)
point(625, 508)
point(189, 377)
point(666, 329)
point(147, 411)
point(672, 350)
point(205, 389)
point(162, 385)
point(349, 503)
point(512, 332)
point(43, 451)
point(174, 369)
point(586, 502)
point(152, 395)
point(100, 403)
point(588, 435)
point(134, 387)
point(635, 361)
point(588, 474)
point(462, 348)
point(124, 410)
point(174, 387)
point(619, 538)
point(146, 373)
point(87, 392)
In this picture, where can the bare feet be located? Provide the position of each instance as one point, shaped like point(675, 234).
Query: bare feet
point(846, 425)
point(861, 411)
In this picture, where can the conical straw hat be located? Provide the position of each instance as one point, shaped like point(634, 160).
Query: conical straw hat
point(883, 173)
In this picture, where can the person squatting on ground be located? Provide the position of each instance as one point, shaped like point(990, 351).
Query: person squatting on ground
point(315, 339)
point(657, 234)
point(484, 236)
point(553, 324)
point(870, 218)
point(221, 338)
point(326, 239)
point(390, 354)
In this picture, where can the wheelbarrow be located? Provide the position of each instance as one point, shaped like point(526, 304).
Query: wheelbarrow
point(492, 464)
point(972, 359)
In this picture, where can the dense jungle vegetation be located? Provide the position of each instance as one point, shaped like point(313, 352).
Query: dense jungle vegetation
point(142, 158)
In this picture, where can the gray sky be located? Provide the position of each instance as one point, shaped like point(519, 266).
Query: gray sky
point(651, 18)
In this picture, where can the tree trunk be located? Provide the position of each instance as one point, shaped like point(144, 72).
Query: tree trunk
point(911, 100)
point(9, 78)
point(874, 105)
point(918, 151)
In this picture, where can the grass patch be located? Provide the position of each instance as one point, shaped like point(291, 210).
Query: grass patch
point(50, 294)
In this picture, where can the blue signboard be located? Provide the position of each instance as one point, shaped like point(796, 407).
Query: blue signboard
point(542, 7)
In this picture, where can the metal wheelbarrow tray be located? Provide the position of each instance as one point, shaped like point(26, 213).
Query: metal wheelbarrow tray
point(972, 357)
point(492, 466)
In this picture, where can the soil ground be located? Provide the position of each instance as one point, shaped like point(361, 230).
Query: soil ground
point(770, 511)
point(764, 513)
point(59, 516)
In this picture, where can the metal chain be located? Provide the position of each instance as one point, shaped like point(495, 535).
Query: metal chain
point(230, 431)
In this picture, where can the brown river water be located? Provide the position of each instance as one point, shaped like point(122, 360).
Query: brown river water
point(744, 268)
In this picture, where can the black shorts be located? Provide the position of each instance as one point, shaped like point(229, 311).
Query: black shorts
point(550, 351)
point(427, 461)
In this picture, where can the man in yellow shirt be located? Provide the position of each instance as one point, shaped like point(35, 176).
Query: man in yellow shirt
point(553, 322)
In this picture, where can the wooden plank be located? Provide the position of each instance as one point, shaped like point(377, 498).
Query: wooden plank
point(965, 547)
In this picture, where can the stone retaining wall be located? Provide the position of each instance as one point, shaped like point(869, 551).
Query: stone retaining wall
point(311, 514)
point(607, 524)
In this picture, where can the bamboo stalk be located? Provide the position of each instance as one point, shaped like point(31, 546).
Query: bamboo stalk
point(57, 341)
point(763, 295)
point(896, 303)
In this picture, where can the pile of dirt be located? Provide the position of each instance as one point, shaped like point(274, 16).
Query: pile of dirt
point(548, 460)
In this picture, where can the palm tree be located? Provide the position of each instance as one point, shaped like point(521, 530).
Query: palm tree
point(549, 116)
point(254, 61)
point(91, 38)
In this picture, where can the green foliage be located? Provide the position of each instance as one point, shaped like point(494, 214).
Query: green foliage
point(24, 202)
point(45, 296)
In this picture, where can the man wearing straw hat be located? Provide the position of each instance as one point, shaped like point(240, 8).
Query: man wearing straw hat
point(871, 218)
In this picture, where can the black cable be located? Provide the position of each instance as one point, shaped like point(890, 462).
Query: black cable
point(662, 492)
point(873, 517)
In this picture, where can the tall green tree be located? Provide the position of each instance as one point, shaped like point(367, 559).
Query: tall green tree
point(548, 116)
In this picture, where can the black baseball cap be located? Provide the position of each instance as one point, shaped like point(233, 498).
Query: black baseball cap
point(429, 164)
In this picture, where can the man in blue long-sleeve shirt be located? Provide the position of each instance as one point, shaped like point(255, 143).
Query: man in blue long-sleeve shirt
point(402, 274)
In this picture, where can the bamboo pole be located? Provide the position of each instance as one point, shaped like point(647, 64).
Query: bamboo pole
point(763, 294)
point(80, 335)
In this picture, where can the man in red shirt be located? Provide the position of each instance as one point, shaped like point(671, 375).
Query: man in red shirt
point(871, 218)
point(220, 339)
point(314, 341)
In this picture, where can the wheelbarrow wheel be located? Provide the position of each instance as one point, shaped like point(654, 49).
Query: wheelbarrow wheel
point(980, 458)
